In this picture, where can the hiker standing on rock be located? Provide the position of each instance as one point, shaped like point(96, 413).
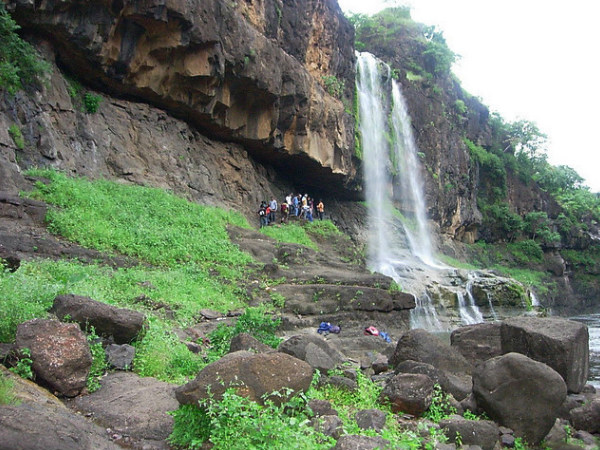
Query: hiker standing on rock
point(262, 214)
point(273, 207)
point(320, 209)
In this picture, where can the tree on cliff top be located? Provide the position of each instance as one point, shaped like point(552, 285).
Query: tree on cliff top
point(20, 65)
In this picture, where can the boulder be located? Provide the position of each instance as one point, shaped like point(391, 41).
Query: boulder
point(60, 354)
point(436, 375)
point(587, 417)
point(314, 350)
point(33, 427)
point(25, 391)
point(321, 408)
point(252, 375)
point(123, 325)
point(408, 393)
point(559, 343)
point(502, 291)
point(131, 406)
point(353, 442)
point(483, 433)
point(519, 393)
point(245, 341)
point(340, 382)
point(422, 346)
point(371, 419)
point(329, 425)
point(120, 356)
point(478, 342)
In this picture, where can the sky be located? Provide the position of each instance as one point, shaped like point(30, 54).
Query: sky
point(537, 60)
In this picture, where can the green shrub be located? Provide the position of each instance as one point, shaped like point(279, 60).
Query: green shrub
point(527, 251)
point(333, 85)
point(460, 106)
point(17, 136)
point(99, 363)
point(91, 102)
point(236, 423)
point(254, 321)
point(440, 407)
point(24, 366)
point(20, 64)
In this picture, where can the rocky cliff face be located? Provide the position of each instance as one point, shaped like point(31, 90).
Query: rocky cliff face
point(249, 72)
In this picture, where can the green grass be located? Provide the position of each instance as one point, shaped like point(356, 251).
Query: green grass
point(29, 292)
point(453, 262)
point(289, 233)
point(141, 222)
point(7, 396)
point(322, 228)
point(528, 277)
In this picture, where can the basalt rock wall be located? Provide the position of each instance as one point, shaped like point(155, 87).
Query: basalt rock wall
point(249, 72)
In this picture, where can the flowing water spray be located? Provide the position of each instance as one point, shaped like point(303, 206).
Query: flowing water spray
point(399, 243)
point(386, 136)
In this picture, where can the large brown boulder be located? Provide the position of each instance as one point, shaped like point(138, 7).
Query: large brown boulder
point(314, 350)
point(587, 417)
point(131, 405)
point(560, 343)
point(478, 342)
point(122, 324)
point(483, 433)
point(252, 375)
point(519, 393)
point(60, 354)
point(408, 393)
point(422, 346)
point(33, 427)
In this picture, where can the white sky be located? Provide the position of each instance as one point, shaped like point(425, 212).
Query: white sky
point(537, 60)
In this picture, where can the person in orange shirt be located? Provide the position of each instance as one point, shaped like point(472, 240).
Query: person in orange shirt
point(320, 209)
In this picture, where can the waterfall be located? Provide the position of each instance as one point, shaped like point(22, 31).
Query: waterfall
point(389, 148)
point(392, 177)
point(469, 312)
point(406, 152)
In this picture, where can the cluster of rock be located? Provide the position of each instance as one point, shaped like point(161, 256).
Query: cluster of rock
point(528, 375)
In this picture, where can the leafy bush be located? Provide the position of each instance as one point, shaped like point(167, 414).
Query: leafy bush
point(460, 106)
point(440, 407)
point(254, 321)
point(333, 85)
point(91, 102)
point(99, 363)
point(20, 65)
point(526, 251)
point(238, 423)
point(17, 136)
point(24, 366)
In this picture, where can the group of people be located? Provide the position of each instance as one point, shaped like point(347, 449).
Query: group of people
point(301, 206)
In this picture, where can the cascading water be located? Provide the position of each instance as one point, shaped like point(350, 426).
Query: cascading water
point(389, 148)
point(411, 192)
point(386, 136)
